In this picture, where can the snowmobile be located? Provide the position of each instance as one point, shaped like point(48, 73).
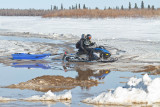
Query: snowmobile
point(100, 54)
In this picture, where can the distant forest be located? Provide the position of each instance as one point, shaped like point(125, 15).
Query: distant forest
point(82, 11)
point(23, 12)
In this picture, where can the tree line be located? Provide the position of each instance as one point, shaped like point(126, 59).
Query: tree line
point(55, 10)
point(23, 12)
point(79, 6)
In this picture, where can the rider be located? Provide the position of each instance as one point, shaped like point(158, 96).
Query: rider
point(84, 45)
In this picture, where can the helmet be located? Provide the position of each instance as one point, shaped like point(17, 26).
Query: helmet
point(89, 36)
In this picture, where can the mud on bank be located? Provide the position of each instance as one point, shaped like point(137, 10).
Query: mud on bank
point(53, 83)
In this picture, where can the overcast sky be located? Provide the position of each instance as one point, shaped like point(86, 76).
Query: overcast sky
point(46, 4)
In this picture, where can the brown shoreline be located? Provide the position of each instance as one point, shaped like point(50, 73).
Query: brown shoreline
point(84, 13)
point(109, 13)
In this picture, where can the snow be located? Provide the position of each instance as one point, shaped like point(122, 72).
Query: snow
point(10, 47)
point(136, 39)
point(2, 99)
point(137, 90)
point(130, 28)
point(49, 96)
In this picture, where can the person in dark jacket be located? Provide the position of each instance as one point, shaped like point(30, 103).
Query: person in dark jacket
point(84, 45)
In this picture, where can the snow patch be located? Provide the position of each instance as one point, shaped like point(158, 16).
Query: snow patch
point(49, 96)
point(9, 47)
point(6, 99)
point(142, 90)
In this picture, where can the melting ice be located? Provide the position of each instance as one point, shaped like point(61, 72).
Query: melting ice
point(137, 90)
point(6, 99)
point(49, 96)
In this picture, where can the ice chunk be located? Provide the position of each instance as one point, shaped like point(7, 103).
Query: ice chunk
point(143, 90)
point(147, 79)
point(134, 81)
point(49, 96)
point(7, 99)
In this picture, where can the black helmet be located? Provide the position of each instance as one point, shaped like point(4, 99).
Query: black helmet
point(89, 36)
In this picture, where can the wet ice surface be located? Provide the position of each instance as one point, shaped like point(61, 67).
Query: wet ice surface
point(134, 41)
point(33, 39)
point(132, 28)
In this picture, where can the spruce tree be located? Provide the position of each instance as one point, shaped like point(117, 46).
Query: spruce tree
point(61, 6)
point(152, 7)
point(51, 7)
point(149, 7)
point(55, 7)
point(122, 7)
point(76, 6)
point(129, 6)
point(84, 6)
point(142, 5)
point(136, 7)
point(96, 8)
point(117, 8)
point(72, 7)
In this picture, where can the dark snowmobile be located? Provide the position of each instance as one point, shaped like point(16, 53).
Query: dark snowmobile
point(100, 54)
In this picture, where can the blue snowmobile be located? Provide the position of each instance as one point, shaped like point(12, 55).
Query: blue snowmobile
point(100, 54)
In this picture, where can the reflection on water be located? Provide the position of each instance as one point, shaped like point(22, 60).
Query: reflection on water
point(83, 74)
point(29, 66)
point(51, 103)
point(87, 73)
point(85, 78)
point(111, 79)
point(91, 74)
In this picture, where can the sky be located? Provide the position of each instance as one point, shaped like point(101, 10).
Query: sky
point(46, 4)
